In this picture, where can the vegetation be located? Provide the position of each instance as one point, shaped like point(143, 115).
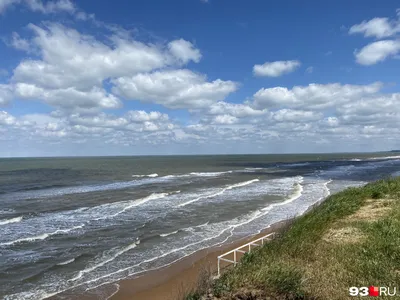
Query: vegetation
point(351, 239)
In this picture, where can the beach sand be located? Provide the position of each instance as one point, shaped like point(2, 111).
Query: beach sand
point(176, 280)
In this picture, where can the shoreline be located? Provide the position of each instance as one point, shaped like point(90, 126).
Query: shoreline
point(174, 281)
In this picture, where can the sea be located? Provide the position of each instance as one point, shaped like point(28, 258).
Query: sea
point(74, 225)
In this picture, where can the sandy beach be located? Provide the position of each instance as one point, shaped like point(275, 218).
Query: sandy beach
point(177, 279)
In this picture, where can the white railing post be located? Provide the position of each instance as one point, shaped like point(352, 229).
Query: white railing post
point(241, 250)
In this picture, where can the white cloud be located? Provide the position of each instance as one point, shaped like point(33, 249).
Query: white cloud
point(5, 94)
point(313, 96)
point(289, 115)
point(184, 51)
point(72, 59)
point(47, 7)
point(138, 116)
point(376, 27)
point(377, 52)
point(19, 43)
point(6, 118)
point(235, 109)
point(309, 70)
point(51, 6)
point(76, 66)
point(276, 68)
point(174, 89)
point(225, 119)
point(69, 98)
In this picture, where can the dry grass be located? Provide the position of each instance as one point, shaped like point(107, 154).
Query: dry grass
point(344, 235)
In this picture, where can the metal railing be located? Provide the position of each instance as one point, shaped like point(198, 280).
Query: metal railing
point(240, 250)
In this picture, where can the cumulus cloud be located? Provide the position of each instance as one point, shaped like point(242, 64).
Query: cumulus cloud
point(376, 27)
point(225, 119)
point(234, 109)
point(380, 50)
point(290, 115)
point(184, 51)
point(174, 89)
point(73, 59)
point(377, 52)
point(75, 66)
point(85, 76)
point(313, 96)
point(69, 98)
point(276, 68)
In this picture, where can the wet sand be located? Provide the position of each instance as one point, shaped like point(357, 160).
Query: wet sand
point(176, 280)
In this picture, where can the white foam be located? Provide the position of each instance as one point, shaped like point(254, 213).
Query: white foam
point(167, 234)
point(66, 262)
point(386, 157)
point(193, 227)
point(150, 176)
point(103, 262)
point(220, 192)
point(42, 236)
point(116, 291)
point(297, 194)
point(9, 221)
point(209, 174)
point(127, 205)
point(203, 239)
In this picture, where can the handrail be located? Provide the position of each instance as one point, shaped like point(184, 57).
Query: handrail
point(239, 249)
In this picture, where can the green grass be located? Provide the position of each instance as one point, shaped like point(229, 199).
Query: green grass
point(311, 260)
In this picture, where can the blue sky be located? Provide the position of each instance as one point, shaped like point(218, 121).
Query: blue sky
point(193, 76)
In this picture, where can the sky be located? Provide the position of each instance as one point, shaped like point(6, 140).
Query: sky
point(156, 77)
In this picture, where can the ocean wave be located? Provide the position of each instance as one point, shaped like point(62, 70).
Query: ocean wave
point(45, 193)
point(131, 204)
point(150, 175)
point(139, 180)
point(220, 192)
point(66, 262)
point(106, 260)
point(192, 228)
point(210, 174)
point(385, 157)
point(42, 236)
point(12, 220)
point(221, 231)
point(297, 194)
point(300, 164)
point(168, 234)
